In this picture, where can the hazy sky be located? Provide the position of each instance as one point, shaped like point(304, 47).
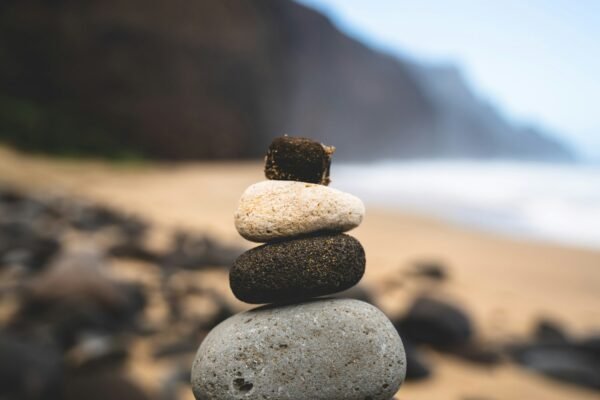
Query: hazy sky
point(538, 60)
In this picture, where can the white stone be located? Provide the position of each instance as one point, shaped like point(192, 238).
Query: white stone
point(271, 210)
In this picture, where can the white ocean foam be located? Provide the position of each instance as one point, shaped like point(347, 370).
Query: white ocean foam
point(554, 202)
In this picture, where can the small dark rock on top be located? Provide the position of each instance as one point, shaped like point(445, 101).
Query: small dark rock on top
point(435, 323)
point(298, 159)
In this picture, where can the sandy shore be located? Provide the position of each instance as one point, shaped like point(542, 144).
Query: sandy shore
point(506, 285)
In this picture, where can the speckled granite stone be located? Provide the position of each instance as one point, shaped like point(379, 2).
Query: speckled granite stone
point(297, 269)
point(326, 349)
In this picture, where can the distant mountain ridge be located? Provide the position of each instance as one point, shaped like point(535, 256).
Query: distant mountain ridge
point(219, 78)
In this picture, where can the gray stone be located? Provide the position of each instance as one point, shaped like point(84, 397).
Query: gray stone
point(271, 210)
point(325, 349)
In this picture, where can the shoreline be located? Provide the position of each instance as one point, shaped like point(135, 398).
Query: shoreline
point(545, 202)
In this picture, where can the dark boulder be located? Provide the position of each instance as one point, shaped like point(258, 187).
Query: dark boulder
point(592, 344)
point(436, 323)
point(553, 353)
point(573, 363)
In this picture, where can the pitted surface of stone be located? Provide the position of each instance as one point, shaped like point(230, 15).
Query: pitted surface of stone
point(297, 269)
point(330, 349)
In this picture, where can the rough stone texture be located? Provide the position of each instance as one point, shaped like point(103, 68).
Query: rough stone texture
point(327, 349)
point(271, 210)
point(298, 159)
point(297, 269)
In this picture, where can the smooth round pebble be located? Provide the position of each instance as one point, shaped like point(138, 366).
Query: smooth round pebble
point(297, 269)
point(326, 349)
point(271, 210)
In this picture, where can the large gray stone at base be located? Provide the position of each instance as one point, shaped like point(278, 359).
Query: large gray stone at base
point(325, 349)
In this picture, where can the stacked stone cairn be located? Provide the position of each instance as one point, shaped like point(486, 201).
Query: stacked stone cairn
point(299, 346)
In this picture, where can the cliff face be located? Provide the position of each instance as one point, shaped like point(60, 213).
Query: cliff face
point(219, 78)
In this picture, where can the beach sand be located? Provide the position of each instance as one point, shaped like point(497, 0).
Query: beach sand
point(506, 285)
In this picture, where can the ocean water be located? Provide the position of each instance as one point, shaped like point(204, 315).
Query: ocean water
point(549, 202)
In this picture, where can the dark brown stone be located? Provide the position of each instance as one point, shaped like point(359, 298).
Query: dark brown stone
point(297, 269)
point(298, 159)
